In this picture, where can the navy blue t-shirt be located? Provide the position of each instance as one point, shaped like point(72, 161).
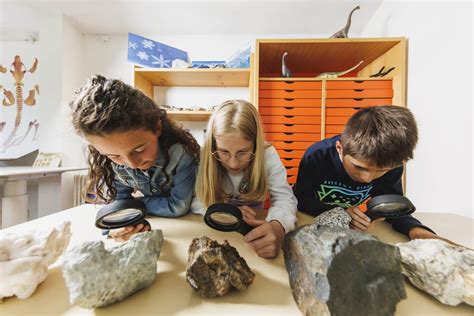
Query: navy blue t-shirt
point(323, 184)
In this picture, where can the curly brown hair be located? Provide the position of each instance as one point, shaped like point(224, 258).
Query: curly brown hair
point(104, 106)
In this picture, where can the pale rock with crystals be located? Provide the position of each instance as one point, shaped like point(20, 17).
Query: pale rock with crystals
point(26, 256)
point(443, 270)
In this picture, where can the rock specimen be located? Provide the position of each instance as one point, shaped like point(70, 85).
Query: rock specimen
point(99, 277)
point(441, 269)
point(334, 217)
point(214, 269)
point(337, 271)
point(25, 257)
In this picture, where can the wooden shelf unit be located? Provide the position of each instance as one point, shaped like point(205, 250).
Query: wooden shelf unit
point(303, 109)
point(146, 79)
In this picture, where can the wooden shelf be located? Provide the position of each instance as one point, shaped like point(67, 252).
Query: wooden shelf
point(310, 57)
point(321, 79)
point(189, 115)
point(194, 77)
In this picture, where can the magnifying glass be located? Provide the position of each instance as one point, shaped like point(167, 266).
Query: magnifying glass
point(226, 217)
point(122, 213)
point(389, 206)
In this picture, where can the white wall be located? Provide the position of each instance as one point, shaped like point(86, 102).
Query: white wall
point(440, 34)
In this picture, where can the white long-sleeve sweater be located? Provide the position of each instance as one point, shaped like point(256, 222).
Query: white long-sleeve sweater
point(282, 201)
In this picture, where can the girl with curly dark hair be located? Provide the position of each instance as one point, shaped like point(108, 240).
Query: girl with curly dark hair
point(134, 147)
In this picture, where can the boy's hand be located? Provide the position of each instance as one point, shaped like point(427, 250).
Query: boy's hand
point(248, 213)
point(123, 234)
point(266, 238)
point(421, 233)
point(360, 221)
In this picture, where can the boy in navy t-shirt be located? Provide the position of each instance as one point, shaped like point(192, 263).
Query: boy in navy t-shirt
point(365, 161)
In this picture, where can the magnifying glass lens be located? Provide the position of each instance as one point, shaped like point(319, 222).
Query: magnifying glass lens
point(389, 207)
point(222, 218)
point(122, 216)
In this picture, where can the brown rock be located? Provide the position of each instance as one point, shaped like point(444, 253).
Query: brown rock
point(214, 269)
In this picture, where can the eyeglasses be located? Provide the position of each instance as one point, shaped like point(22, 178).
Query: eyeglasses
point(225, 156)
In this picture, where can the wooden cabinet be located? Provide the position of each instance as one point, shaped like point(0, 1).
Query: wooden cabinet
point(146, 79)
point(303, 109)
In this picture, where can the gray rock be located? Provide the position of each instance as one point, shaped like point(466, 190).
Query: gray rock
point(337, 271)
point(443, 270)
point(98, 277)
point(214, 269)
point(334, 217)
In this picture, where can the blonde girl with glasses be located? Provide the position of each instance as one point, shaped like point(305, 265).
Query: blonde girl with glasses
point(239, 167)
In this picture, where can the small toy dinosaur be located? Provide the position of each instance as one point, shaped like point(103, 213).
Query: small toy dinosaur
point(381, 73)
point(285, 71)
point(342, 33)
point(334, 74)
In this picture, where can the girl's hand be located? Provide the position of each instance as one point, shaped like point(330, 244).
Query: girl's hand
point(360, 221)
point(248, 213)
point(123, 234)
point(266, 238)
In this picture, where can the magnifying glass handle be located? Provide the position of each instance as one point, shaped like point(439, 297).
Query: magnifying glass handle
point(371, 215)
point(244, 228)
point(145, 223)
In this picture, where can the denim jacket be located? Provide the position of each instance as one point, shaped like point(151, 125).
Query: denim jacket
point(171, 200)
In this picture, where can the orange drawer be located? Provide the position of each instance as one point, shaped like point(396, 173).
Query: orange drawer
point(289, 110)
point(291, 102)
point(335, 129)
point(357, 102)
point(345, 112)
point(290, 153)
point(336, 120)
point(359, 84)
point(308, 94)
point(305, 137)
point(291, 171)
point(360, 93)
point(292, 145)
point(290, 162)
point(291, 119)
point(290, 85)
point(290, 128)
point(291, 180)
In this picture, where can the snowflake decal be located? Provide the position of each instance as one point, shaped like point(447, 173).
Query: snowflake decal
point(163, 63)
point(143, 56)
point(132, 45)
point(148, 44)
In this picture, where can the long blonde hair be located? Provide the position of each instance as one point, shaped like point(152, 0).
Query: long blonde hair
point(230, 117)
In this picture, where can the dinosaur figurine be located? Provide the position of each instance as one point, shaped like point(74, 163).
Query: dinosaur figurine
point(285, 71)
point(342, 33)
point(382, 73)
point(334, 74)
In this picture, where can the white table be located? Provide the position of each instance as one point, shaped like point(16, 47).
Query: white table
point(15, 192)
point(170, 294)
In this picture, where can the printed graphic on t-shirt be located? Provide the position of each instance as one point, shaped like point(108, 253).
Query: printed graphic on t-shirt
point(339, 194)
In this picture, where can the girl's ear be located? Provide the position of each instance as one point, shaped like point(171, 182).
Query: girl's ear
point(159, 128)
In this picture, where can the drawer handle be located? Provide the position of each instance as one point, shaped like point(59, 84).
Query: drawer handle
point(288, 142)
point(358, 99)
point(289, 168)
point(289, 99)
point(288, 159)
point(289, 82)
point(289, 116)
point(289, 107)
point(289, 125)
point(359, 81)
point(357, 109)
point(287, 90)
point(288, 150)
point(287, 133)
point(358, 90)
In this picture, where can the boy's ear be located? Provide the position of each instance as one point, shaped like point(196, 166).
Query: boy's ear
point(339, 148)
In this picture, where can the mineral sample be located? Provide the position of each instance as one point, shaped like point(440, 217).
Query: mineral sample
point(99, 277)
point(214, 269)
point(334, 217)
point(337, 271)
point(441, 269)
point(25, 257)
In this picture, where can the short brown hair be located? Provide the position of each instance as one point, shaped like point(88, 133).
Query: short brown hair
point(385, 135)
